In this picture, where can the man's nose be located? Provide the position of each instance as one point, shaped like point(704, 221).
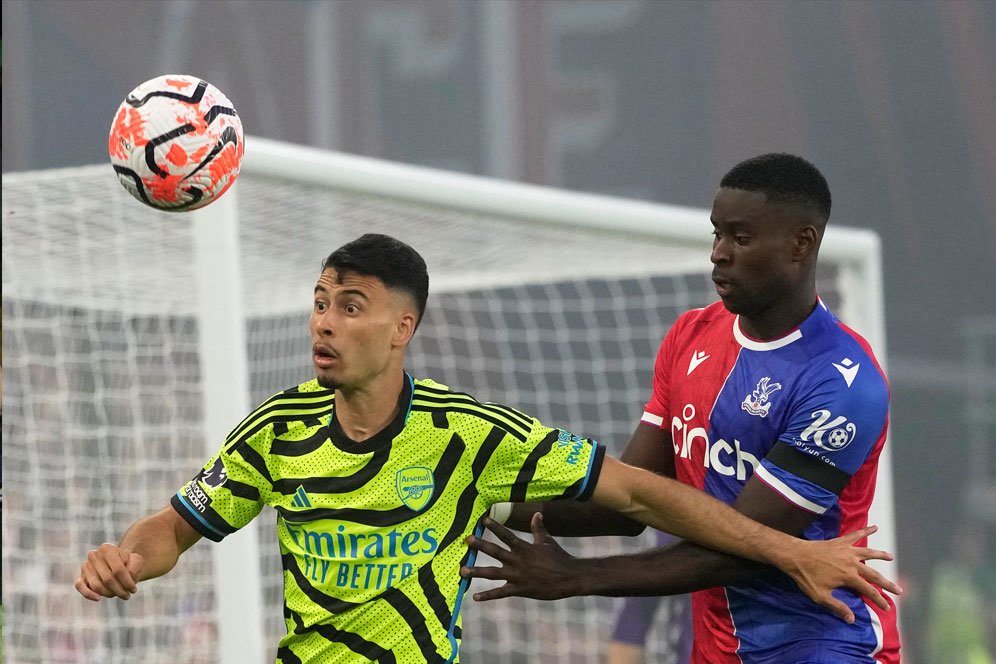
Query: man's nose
point(720, 252)
point(324, 325)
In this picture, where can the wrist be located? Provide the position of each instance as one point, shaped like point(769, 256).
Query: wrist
point(787, 554)
point(586, 576)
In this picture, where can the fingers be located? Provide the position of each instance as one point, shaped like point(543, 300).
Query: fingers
point(84, 589)
point(536, 525)
point(119, 567)
point(493, 573)
point(494, 593)
point(871, 592)
point(135, 563)
point(490, 548)
point(503, 533)
point(839, 609)
point(105, 574)
point(872, 554)
point(857, 535)
point(106, 583)
point(876, 578)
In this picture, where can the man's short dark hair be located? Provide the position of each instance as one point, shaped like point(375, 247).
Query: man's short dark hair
point(783, 178)
point(392, 261)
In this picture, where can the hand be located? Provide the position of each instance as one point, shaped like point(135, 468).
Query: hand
point(109, 571)
point(820, 566)
point(540, 570)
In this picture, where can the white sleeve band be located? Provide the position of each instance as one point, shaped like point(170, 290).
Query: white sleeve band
point(500, 512)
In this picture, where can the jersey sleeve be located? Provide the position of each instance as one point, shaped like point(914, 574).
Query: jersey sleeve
point(227, 493)
point(541, 464)
point(830, 433)
point(655, 412)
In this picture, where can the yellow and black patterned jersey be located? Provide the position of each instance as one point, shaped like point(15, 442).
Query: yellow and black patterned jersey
point(372, 534)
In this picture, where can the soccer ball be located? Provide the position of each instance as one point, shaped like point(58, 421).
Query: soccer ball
point(176, 143)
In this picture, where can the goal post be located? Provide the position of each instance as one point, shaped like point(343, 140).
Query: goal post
point(133, 339)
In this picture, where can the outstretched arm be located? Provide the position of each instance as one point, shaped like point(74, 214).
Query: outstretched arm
point(649, 447)
point(150, 548)
point(817, 567)
point(543, 570)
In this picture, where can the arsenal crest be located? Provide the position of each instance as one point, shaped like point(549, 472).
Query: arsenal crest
point(415, 485)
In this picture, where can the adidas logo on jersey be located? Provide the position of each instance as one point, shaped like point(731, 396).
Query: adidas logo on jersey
point(301, 498)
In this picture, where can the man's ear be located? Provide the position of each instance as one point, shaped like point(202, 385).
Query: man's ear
point(405, 328)
point(804, 243)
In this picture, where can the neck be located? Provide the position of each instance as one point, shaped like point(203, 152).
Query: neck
point(362, 412)
point(779, 319)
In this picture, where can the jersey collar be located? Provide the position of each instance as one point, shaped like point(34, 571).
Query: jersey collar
point(819, 311)
point(382, 437)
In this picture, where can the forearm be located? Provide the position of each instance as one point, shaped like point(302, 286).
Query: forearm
point(692, 515)
point(681, 568)
point(570, 518)
point(157, 540)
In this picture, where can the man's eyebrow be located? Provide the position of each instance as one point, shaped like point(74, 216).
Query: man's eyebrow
point(349, 291)
point(354, 291)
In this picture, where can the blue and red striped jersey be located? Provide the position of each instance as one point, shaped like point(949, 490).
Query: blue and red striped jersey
point(807, 414)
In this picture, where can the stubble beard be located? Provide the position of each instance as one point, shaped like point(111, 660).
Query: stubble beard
point(328, 382)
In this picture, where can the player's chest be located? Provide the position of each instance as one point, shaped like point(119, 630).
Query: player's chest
point(728, 406)
point(402, 473)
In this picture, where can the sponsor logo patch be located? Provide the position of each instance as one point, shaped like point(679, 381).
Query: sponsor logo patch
point(828, 432)
point(196, 497)
point(216, 475)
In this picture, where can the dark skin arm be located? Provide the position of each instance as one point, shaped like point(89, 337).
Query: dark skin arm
point(544, 571)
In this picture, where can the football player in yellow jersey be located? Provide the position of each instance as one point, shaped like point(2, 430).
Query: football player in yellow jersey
point(379, 479)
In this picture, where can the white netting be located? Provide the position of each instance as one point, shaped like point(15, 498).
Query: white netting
point(103, 403)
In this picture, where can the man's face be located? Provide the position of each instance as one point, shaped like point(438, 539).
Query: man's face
point(752, 260)
point(356, 324)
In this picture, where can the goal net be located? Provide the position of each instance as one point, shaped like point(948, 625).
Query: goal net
point(114, 317)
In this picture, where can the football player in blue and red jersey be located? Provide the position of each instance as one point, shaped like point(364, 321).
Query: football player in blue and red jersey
point(764, 400)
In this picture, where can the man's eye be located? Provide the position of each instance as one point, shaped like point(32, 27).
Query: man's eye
point(351, 309)
point(742, 240)
point(319, 306)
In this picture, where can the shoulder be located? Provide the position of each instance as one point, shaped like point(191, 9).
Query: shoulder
point(304, 397)
point(712, 314)
point(842, 357)
point(302, 402)
point(841, 382)
point(712, 324)
point(464, 413)
point(695, 322)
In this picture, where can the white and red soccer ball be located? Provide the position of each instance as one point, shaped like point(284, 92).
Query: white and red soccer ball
point(176, 143)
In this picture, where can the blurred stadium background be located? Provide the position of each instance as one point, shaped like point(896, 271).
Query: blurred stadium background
point(894, 101)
